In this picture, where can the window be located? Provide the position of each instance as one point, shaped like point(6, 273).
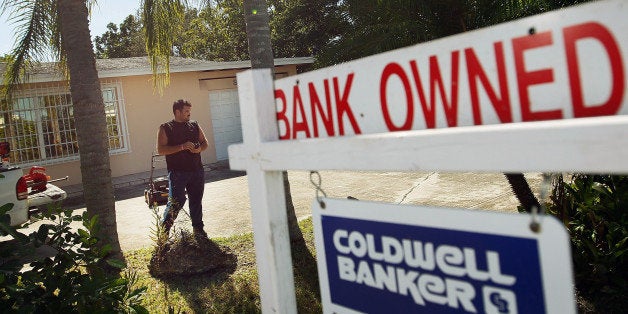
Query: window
point(39, 124)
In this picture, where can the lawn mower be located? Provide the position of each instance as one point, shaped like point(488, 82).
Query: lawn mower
point(157, 191)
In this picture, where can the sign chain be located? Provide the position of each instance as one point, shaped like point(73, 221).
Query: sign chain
point(318, 187)
point(535, 224)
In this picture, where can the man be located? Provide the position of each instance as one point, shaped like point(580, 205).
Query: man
point(182, 140)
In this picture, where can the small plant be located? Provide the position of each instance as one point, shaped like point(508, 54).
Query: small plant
point(595, 210)
point(230, 289)
point(157, 232)
point(72, 280)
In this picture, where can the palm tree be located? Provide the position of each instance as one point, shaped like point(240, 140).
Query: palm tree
point(62, 26)
point(261, 54)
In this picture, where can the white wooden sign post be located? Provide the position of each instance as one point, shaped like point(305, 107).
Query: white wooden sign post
point(545, 93)
point(268, 205)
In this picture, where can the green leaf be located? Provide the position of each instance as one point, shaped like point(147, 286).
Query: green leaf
point(621, 243)
point(139, 309)
point(620, 253)
point(5, 219)
point(42, 233)
point(138, 292)
point(93, 222)
point(6, 208)
point(116, 263)
point(105, 249)
point(83, 233)
point(6, 229)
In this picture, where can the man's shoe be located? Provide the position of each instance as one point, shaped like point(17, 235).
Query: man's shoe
point(199, 232)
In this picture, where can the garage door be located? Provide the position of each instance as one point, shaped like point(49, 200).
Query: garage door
point(225, 112)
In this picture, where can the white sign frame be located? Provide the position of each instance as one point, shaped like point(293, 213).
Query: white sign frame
point(549, 146)
point(564, 64)
point(553, 241)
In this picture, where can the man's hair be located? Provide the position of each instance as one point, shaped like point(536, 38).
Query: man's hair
point(179, 104)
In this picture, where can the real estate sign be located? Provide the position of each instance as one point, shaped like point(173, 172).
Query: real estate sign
point(565, 64)
point(568, 66)
point(386, 258)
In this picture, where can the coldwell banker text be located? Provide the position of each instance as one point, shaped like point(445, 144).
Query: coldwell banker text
point(414, 268)
point(423, 286)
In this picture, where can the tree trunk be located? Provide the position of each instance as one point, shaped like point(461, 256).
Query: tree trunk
point(522, 190)
point(89, 115)
point(261, 54)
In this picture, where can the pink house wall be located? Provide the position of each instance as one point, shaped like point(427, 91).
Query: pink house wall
point(146, 109)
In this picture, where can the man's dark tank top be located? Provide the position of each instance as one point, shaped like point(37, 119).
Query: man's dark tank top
point(179, 133)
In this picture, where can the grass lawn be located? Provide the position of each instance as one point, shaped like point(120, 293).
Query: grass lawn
point(235, 289)
point(229, 290)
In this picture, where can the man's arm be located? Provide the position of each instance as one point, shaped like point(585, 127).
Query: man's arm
point(164, 149)
point(202, 140)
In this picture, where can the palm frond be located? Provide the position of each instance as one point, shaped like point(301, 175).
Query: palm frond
point(56, 43)
point(33, 20)
point(161, 23)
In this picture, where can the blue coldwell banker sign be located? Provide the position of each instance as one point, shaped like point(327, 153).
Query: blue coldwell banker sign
point(383, 258)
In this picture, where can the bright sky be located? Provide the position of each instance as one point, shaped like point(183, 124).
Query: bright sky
point(107, 11)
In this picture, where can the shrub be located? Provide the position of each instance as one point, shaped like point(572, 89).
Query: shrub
point(73, 280)
point(595, 210)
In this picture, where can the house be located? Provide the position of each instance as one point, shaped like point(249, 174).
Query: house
point(39, 123)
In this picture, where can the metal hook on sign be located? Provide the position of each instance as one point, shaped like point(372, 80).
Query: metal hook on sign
point(318, 187)
point(535, 224)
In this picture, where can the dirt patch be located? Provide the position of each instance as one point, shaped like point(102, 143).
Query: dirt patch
point(186, 254)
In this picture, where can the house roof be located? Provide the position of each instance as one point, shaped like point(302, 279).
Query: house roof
point(118, 67)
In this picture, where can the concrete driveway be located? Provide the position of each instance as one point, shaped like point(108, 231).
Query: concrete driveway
point(226, 207)
point(227, 211)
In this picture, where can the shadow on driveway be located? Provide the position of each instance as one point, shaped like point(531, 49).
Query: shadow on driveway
point(213, 173)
